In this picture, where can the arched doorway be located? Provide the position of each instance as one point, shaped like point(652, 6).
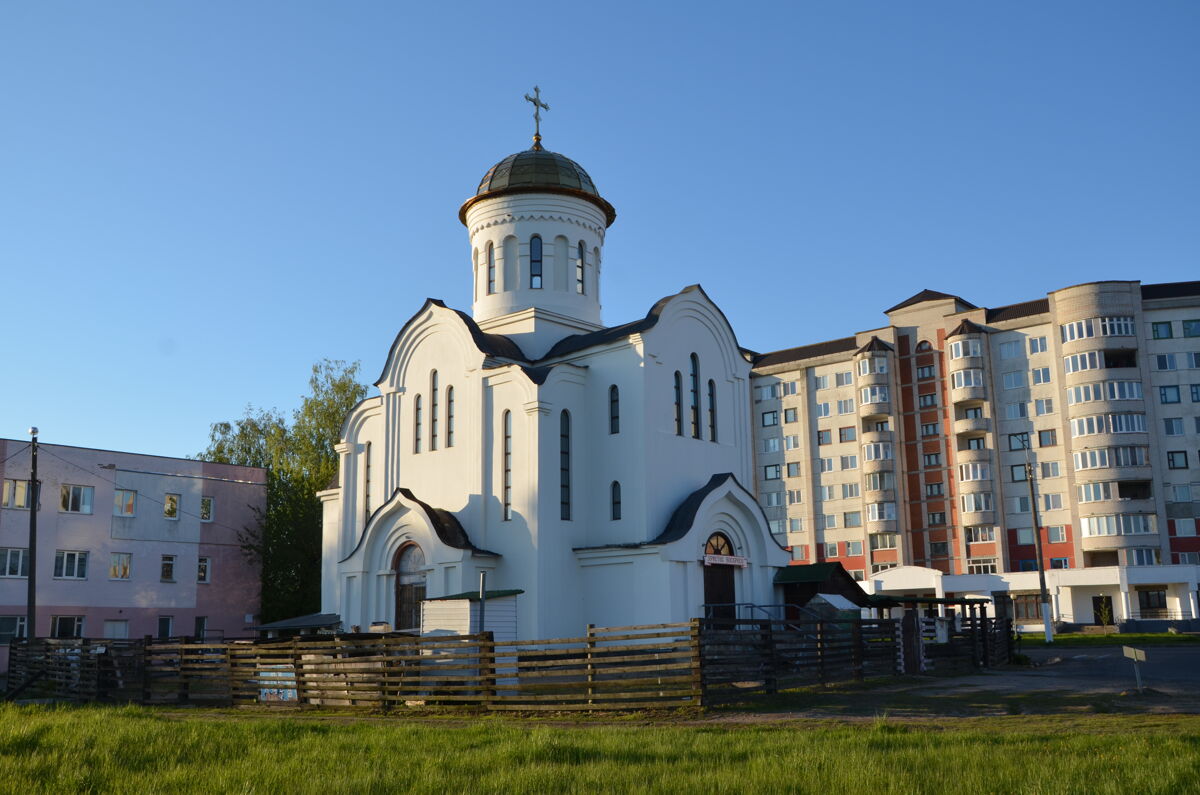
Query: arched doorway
point(409, 566)
point(720, 595)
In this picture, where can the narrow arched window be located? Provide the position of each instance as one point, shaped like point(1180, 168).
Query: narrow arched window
point(564, 465)
point(614, 409)
point(535, 262)
point(506, 464)
point(449, 416)
point(712, 410)
point(475, 273)
point(678, 404)
point(433, 410)
point(417, 424)
point(616, 500)
point(491, 268)
point(579, 263)
point(695, 394)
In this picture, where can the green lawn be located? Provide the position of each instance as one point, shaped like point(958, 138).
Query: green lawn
point(1037, 641)
point(144, 751)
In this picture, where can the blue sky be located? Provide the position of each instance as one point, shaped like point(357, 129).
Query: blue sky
point(200, 200)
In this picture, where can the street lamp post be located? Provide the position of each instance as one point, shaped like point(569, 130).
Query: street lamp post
point(1037, 542)
point(34, 499)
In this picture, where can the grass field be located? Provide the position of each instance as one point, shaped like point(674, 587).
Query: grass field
point(1037, 641)
point(140, 750)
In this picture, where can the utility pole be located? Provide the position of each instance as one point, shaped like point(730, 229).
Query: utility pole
point(31, 555)
point(1037, 542)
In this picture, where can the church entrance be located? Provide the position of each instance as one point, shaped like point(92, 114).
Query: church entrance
point(720, 595)
point(409, 566)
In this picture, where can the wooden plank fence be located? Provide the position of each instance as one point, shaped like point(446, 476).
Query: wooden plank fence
point(704, 661)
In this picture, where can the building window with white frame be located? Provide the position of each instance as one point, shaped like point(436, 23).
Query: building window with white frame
point(873, 394)
point(75, 499)
point(66, 626)
point(204, 569)
point(975, 503)
point(849, 462)
point(1143, 556)
point(124, 502)
point(167, 568)
point(927, 401)
point(1040, 375)
point(14, 562)
point(1011, 349)
point(960, 379)
point(1056, 534)
point(882, 540)
point(1037, 345)
point(981, 565)
point(980, 534)
point(881, 511)
point(118, 567)
point(208, 507)
point(962, 349)
point(70, 565)
point(1014, 380)
point(11, 628)
point(171, 506)
point(166, 627)
point(16, 494)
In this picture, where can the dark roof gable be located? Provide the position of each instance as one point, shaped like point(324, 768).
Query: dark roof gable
point(875, 344)
point(966, 327)
point(929, 295)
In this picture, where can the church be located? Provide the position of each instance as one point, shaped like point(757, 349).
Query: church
point(604, 472)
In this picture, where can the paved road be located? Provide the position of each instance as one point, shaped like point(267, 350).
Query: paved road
point(1170, 669)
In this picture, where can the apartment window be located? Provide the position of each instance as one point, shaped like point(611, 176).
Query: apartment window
point(771, 472)
point(166, 626)
point(881, 511)
point(535, 262)
point(506, 463)
point(849, 462)
point(1165, 361)
point(167, 568)
point(1014, 380)
point(66, 626)
point(1056, 534)
point(171, 506)
point(1048, 438)
point(845, 406)
point(963, 348)
point(799, 552)
point(770, 418)
point(1125, 524)
point(852, 519)
point(830, 549)
point(795, 525)
point(1015, 411)
point(881, 481)
point(1161, 331)
point(1181, 493)
point(1040, 375)
point(564, 465)
point(822, 410)
point(1168, 394)
point(939, 549)
point(1142, 557)
point(200, 627)
point(1189, 557)
point(790, 387)
point(1043, 406)
point(1037, 345)
point(1177, 459)
point(116, 629)
point(827, 492)
point(829, 521)
point(1094, 492)
point(966, 378)
point(974, 503)
point(1025, 537)
point(776, 526)
point(883, 540)
point(929, 429)
point(1195, 390)
point(1173, 426)
point(883, 426)
point(771, 499)
point(932, 459)
point(204, 570)
point(795, 496)
point(16, 494)
point(854, 548)
point(14, 562)
point(877, 451)
point(981, 565)
point(770, 445)
point(70, 565)
point(791, 442)
point(820, 382)
point(927, 401)
point(937, 518)
point(925, 372)
point(975, 471)
point(874, 394)
point(208, 508)
point(876, 568)
point(1080, 329)
point(793, 469)
point(1193, 360)
point(75, 499)
point(826, 464)
point(1010, 350)
point(875, 364)
point(118, 568)
point(976, 443)
point(934, 490)
point(1191, 328)
point(767, 392)
point(1050, 469)
point(124, 502)
point(11, 628)
point(1019, 504)
point(849, 490)
point(1051, 502)
point(846, 434)
point(1018, 441)
point(824, 437)
point(979, 535)
point(845, 378)
point(1018, 473)
point(789, 415)
point(1060, 563)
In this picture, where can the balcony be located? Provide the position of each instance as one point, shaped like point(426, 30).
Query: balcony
point(867, 410)
point(973, 426)
point(1096, 543)
point(881, 526)
point(977, 517)
point(878, 465)
point(870, 437)
point(983, 455)
point(968, 394)
point(974, 487)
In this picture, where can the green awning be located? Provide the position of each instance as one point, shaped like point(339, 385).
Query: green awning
point(811, 572)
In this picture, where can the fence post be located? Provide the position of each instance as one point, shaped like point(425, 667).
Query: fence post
point(857, 649)
point(772, 680)
point(487, 667)
point(697, 663)
point(296, 672)
point(591, 670)
point(185, 682)
point(821, 651)
point(146, 695)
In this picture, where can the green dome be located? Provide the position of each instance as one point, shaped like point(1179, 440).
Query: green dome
point(538, 171)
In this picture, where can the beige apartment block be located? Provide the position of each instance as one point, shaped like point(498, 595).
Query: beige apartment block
point(906, 452)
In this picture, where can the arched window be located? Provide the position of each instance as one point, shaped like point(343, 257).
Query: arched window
point(535, 262)
point(564, 465)
point(614, 409)
point(433, 410)
point(475, 272)
point(417, 424)
point(491, 268)
point(579, 263)
point(696, 397)
point(678, 404)
point(506, 479)
point(923, 345)
point(712, 410)
point(409, 566)
point(718, 544)
point(616, 500)
point(449, 416)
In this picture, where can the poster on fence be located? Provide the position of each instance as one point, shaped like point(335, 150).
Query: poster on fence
point(277, 683)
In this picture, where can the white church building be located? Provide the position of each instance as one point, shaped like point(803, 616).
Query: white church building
point(607, 473)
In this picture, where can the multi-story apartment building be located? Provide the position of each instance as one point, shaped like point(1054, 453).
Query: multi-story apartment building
point(127, 545)
point(904, 452)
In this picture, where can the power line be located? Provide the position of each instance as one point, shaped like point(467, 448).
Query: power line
point(14, 455)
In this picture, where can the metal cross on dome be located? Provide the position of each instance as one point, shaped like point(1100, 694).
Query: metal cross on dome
point(538, 107)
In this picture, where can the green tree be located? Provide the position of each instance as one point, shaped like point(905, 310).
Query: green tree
point(300, 461)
